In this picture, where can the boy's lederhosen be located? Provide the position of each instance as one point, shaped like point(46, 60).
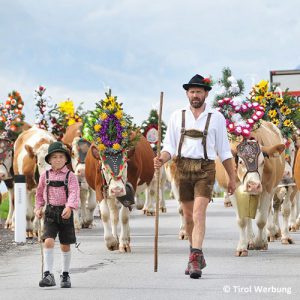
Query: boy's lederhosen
point(54, 223)
point(194, 177)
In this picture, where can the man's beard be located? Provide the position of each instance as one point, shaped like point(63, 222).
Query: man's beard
point(196, 103)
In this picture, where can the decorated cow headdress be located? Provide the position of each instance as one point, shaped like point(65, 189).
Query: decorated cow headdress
point(149, 129)
point(11, 116)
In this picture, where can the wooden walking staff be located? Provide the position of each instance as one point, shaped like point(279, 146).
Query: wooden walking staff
point(157, 174)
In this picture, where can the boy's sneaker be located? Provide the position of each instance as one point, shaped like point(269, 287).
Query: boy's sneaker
point(65, 281)
point(48, 280)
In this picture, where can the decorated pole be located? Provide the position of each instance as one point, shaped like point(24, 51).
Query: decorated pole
point(157, 174)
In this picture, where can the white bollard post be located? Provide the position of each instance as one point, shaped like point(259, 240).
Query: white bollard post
point(20, 209)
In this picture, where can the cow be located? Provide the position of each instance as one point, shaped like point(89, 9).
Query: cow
point(284, 198)
point(114, 176)
point(30, 150)
point(150, 194)
point(259, 169)
point(6, 167)
point(170, 168)
point(84, 216)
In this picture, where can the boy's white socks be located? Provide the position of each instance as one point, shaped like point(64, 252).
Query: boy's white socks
point(48, 259)
point(66, 261)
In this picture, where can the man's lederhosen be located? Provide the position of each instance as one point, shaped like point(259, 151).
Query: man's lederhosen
point(195, 177)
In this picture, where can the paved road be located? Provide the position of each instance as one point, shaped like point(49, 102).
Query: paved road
point(100, 274)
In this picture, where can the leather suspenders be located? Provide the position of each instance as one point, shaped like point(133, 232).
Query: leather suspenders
point(194, 133)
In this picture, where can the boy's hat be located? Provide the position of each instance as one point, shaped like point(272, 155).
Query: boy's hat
point(58, 147)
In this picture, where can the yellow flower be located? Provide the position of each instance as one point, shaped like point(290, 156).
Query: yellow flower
point(279, 101)
point(288, 111)
point(283, 109)
point(262, 86)
point(263, 104)
point(103, 116)
point(67, 107)
point(124, 134)
point(272, 113)
point(123, 123)
point(288, 123)
point(269, 95)
point(116, 146)
point(119, 114)
point(98, 140)
point(97, 127)
point(275, 122)
point(259, 98)
point(71, 121)
point(101, 147)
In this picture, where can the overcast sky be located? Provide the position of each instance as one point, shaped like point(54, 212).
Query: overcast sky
point(138, 48)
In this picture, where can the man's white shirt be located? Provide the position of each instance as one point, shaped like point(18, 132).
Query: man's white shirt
point(216, 143)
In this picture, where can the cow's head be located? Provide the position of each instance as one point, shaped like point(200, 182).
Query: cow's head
point(80, 148)
point(38, 154)
point(250, 163)
point(6, 158)
point(250, 158)
point(114, 170)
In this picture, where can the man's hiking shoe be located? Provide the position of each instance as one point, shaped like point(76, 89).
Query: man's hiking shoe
point(203, 264)
point(48, 280)
point(196, 264)
point(65, 281)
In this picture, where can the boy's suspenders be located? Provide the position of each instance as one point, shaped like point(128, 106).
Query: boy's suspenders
point(57, 183)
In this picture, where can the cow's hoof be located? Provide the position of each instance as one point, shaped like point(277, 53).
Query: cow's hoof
point(287, 241)
point(163, 209)
point(241, 253)
point(271, 239)
point(227, 204)
point(124, 249)
point(112, 243)
point(150, 213)
point(251, 246)
point(292, 228)
point(7, 225)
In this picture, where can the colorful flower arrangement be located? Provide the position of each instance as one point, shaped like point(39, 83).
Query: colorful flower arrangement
point(11, 116)
point(47, 117)
point(109, 127)
point(281, 109)
point(241, 116)
point(149, 129)
point(70, 116)
point(208, 81)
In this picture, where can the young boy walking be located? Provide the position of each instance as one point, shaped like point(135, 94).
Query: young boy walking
point(58, 188)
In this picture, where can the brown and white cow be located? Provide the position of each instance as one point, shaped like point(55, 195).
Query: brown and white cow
point(150, 191)
point(259, 169)
point(30, 150)
point(109, 179)
point(6, 168)
point(170, 168)
point(84, 216)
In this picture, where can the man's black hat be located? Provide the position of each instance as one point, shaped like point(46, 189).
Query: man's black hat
point(198, 81)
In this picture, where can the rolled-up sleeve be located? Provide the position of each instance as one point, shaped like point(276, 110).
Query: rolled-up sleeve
point(170, 142)
point(222, 142)
point(39, 195)
point(74, 192)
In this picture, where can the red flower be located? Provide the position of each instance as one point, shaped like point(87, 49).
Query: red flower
point(207, 80)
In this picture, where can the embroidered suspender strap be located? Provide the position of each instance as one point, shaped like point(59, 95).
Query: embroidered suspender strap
point(57, 183)
point(47, 186)
point(182, 133)
point(205, 132)
point(66, 182)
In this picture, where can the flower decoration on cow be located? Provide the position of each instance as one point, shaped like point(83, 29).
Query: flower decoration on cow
point(68, 112)
point(282, 109)
point(11, 116)
point(109, 127)
point(149, 129)
point(47, 116)
point(242, 116)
